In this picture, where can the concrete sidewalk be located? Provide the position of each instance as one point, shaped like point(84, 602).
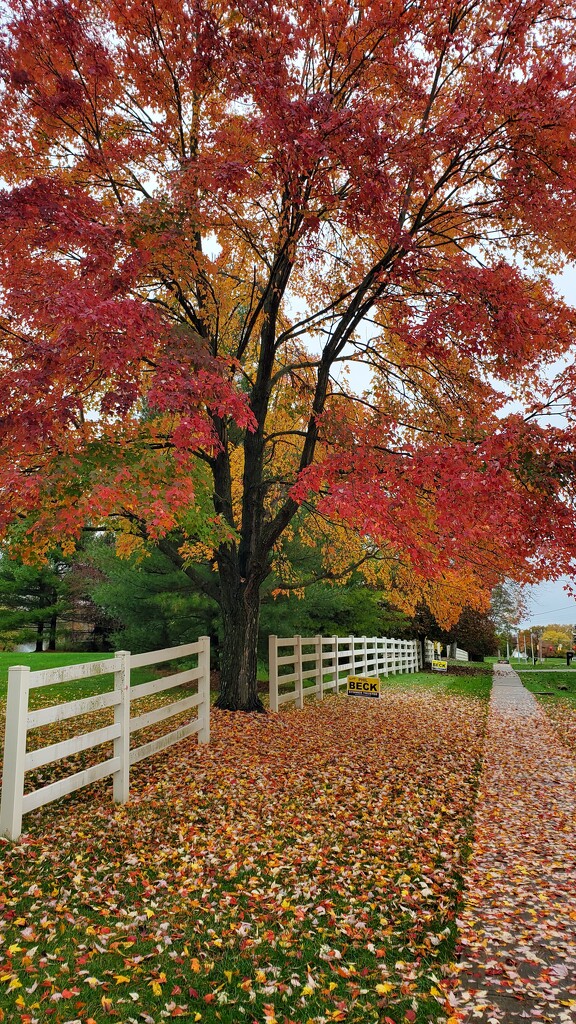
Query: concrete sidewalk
point(518, 929)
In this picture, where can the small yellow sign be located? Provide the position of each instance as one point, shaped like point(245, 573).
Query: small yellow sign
point(439, 666)
point(363, 686)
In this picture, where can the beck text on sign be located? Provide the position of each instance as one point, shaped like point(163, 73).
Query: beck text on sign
point(363, 686)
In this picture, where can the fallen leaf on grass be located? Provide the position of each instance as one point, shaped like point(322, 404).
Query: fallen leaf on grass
point(292, 851)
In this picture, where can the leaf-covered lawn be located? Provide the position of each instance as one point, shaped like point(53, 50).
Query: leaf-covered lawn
point(562, 714)
point(304, 867)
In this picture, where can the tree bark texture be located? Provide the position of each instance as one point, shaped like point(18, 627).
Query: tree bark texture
point(240, 605)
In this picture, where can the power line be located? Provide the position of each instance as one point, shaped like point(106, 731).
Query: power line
point(535, 615)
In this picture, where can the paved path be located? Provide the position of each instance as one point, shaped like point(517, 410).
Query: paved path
point(518, 930)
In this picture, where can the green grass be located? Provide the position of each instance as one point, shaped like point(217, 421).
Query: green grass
point(477, 685)
point(548, 663)
point(547, 684)
point(79, 687)
point(46, 659)
point(471, 686)
point(58, 659)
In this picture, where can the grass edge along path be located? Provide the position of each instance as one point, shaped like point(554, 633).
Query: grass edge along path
point(306, 866)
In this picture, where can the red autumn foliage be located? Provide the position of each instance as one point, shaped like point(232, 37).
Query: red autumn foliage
point(209, 209)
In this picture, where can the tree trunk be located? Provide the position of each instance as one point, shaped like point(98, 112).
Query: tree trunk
point(39, 636)
point(240, 605)
point(421, 638)
point(52, 634)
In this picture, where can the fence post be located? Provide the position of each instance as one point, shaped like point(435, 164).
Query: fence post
point(319, 677)
point(299, 672)
point(204, 689)
point(121, 778)
point(336, 672)
point(273, 672)
point(14, 751)
point(385, 658)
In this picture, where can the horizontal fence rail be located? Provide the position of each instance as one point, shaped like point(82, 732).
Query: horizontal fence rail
point(20, 721)
point(316, 665)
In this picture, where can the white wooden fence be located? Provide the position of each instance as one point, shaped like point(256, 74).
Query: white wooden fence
point(430, 652)
point(321, 664)
point(19, 720)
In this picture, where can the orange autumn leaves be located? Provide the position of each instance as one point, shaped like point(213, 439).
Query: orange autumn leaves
point(562, 714)
point(304, 867)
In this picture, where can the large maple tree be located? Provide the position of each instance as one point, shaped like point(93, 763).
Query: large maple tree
point(211, 211)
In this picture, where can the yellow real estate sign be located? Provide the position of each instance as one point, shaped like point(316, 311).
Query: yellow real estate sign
point(439, 666)
point(363, 686)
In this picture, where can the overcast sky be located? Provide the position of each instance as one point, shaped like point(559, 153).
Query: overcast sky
point(549, 602)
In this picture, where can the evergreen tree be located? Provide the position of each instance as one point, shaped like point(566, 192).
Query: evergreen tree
point(153, 604)
point(31, 602)
point(351, 608)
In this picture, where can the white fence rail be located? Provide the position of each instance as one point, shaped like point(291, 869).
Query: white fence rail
point(317, 665)
point(20, 720)
point(461, 655)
